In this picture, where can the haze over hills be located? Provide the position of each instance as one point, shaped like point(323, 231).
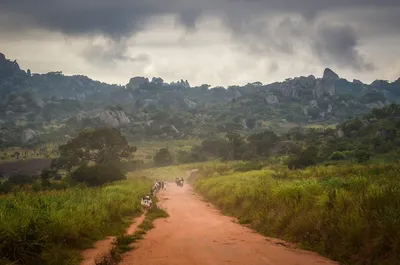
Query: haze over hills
point(46, 107)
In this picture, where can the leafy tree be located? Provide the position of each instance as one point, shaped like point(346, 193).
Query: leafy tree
point(163, 157)
point(362, 156)
point(100, 146)
point(6, 187)
point(97, 175)
point(262, 142)
point(337, 156)
point(236, 144)
point(20, 179)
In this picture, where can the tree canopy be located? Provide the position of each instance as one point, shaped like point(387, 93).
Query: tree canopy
point(100, 146)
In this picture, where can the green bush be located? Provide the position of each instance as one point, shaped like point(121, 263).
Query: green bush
point(163, 157)
point(349, 213)
point(51, 227)
point(337, 156)
point(97, 175)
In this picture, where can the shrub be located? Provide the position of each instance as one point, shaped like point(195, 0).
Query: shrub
point(6, 187)
point(163, 157)
point(362, 156)
point(21, 179)
point(97, 175)
point(337, 156)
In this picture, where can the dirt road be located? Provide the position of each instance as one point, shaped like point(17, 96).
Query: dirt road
point(197, 234)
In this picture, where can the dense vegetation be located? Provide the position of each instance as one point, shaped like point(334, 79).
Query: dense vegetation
point(356, 140)
point(350, 213)
point(49, 227)
point(32, 112)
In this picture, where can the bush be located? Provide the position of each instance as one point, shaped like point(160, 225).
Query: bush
point(97, 175)
point(362, 156)
point(336, 210)
point(163, 157)
point(50, 227)
point(21, 179)
point(6, 187)
point(337, 156)
point(247, 166)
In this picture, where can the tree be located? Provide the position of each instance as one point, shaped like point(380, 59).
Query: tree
point(97, 175)
point(362, 156)
point(262, 142)
point(163, 157)
point(100, 146)
point(236, 143)
point(337, 156)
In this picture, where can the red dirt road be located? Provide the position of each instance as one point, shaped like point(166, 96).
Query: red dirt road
point(197, 234)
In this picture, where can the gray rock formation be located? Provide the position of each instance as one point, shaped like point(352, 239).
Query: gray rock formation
point(313, 104)
point(272, 99)
point(330, 75)
point(27, 135)
point(113, 118)
point(136, 82)
point(190, 103)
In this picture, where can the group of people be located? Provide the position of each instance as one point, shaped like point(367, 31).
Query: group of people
point(179, 182)
point(159, 185)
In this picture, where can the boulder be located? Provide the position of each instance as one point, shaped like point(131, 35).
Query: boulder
point(330, 75)
point(136, 82)
point(27, 135)
point(113, 118)
point(272, 99)
point(190, 103)
point(340, 133)
point(313, 104)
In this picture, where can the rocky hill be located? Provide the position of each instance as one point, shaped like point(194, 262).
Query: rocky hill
point(52, 106)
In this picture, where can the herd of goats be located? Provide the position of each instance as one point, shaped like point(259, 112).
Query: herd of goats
point(159, 185)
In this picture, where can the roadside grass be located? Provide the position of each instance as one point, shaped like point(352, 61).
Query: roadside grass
point(51, 227)
point(123, 243)
point(350, 213)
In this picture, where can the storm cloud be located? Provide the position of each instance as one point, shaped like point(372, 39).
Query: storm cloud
point(333, 33)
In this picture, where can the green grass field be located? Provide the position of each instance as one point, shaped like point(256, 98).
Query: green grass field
point(349, 213)
point(51, 227)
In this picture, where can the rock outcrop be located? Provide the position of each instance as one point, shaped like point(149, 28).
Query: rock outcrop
point(272, 99)
point(9, 68)
point(113, 118)
point(190, 103)
point(27, 135)
point(137, 82)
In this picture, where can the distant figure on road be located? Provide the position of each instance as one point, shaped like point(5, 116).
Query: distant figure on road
point(146, 202)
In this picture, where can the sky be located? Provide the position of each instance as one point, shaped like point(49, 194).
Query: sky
point(216, 42)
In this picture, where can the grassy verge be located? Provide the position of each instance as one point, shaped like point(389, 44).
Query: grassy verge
point(50, 227)
point(123, 243)
point(349, 213)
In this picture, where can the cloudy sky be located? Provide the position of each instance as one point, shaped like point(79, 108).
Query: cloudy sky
point(218, 42)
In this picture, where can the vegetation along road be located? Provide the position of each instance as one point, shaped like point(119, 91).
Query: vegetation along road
point(196, 233)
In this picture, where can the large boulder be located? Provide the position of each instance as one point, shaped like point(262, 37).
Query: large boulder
point(114, 118)
point(27, 135)
point(9, 68)
point(330, 75)
point(272, 99)
point(137, 82)
point(190, 103)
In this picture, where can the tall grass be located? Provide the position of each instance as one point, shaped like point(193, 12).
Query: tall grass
point(349, 213)
point(48, 227)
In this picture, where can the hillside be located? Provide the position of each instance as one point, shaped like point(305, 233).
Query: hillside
point(53, 107)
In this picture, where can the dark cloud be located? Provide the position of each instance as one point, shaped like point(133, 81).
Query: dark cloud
point(338, 44)
point(281, 26)
point(111, 53)
point(118, 18)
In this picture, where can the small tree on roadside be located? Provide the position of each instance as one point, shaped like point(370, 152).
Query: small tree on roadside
point(163, 157)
